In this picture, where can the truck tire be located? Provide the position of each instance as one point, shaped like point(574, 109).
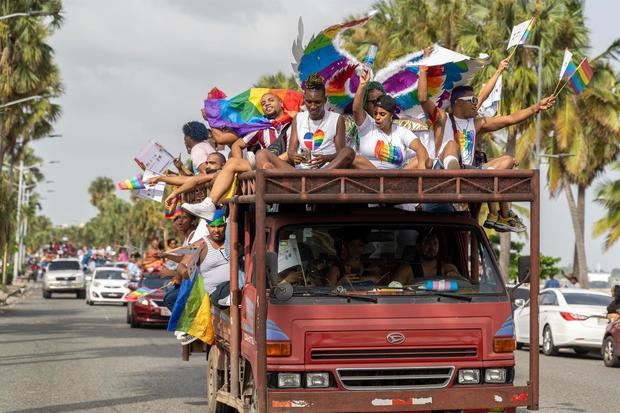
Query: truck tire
point(611, 358)
point(47, 294)
point(214, 382)
point(549, 348)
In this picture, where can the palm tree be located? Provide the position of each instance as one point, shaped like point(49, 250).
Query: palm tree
point(608, 196)
point(99, 189)
point(278, 81)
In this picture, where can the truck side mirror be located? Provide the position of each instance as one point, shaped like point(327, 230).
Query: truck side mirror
point(519, 302)
point(271, 267)
point(524, 268)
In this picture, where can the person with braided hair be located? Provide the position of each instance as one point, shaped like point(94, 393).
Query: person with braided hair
point(317, 135)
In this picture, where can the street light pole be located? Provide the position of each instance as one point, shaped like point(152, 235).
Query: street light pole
point(539, 94)
point(27, 14)
point(15, 102)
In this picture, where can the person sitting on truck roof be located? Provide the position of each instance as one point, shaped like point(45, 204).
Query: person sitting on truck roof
point(383, 144)
point(456, 133)
point(317, 136)
point(373, 91)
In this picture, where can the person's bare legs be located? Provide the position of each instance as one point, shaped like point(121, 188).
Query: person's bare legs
point(343, 160)
point(226, 177)
point(359, 162)
point(413, 163)
point(266, 159)
point(506, 220)
point(449, 156)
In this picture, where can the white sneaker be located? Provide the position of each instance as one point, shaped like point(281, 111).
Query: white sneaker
point(178, 333)
point(204, 209)
point(188, 339)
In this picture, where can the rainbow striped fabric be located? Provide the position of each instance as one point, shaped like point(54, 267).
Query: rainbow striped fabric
point(132, 183)
point(313, 141)
point(325, 56)
point(175, 208)
point(580, 76)
point(386, 152)
point(243, 113)
point(140, 292)
point(466, 141)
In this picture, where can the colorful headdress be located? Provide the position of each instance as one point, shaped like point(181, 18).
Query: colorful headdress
point(218, 219)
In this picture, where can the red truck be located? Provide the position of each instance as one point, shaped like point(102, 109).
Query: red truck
point(352, 305)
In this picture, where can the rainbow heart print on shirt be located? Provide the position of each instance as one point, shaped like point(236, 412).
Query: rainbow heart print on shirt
point(386, 152)
point(313, 141)
point(465, 139)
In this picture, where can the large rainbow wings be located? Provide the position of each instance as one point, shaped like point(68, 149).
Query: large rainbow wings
point(324, 55)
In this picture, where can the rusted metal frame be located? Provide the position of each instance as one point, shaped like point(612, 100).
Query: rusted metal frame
point(474, 184)
point(260, 375)
point(396, 173)
point(439, 185)
point(455, 398)
point(304, 198)
point(343, 181)
point(509, 187)
point(283, 186)
point(534, 381)
point(235, 323)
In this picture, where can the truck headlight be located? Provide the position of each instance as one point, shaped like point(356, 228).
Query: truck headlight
point(314, 380)
point(469, 376)
point(289, 380)
point(495, 376)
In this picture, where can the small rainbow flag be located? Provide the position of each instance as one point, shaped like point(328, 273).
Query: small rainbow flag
point(580, 77)
point(140, 292)
point(132, 183)
point(175, 209)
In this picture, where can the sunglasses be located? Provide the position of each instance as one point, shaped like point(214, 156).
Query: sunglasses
point(472, 99)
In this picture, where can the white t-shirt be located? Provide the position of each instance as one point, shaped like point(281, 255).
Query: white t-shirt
point(465, 137)
point(384, 151)
point(215, 268)
point(316, 136)
point(199, 154)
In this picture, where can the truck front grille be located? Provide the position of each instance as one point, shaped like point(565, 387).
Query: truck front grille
point(395, 378)
point(392, 353)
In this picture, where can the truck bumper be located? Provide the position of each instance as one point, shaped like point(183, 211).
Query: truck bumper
point(474, 398)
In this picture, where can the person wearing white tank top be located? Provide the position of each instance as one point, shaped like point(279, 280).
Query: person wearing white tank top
point(456, 135)
point(317, 136)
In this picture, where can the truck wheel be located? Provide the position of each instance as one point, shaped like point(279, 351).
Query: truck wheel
point(610, 352)
point(214, 383)
point(548, 347)
point(47, 294)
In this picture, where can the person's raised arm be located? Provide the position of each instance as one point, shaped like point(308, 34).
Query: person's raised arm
point(485, 92)
point(498, 122)
point(224, 137)
point(427, 104)
point(359, 114)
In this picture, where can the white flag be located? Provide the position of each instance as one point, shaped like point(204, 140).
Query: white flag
point(567, 58)
point(520, 33)
point(491, 104)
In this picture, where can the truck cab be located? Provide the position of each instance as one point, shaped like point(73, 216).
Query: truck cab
point(351, 307)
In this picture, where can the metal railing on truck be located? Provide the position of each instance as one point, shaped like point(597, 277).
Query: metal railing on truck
point(263, 187)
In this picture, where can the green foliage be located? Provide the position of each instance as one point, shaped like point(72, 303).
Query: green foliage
point(278, 81)
point(548, 265)
point(608, 196)
point(101, 188)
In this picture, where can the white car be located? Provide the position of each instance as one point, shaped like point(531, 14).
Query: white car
point(108, 285)
point(64, 275)
point(569, 318)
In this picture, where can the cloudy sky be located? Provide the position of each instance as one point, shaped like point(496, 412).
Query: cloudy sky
point(136, 70)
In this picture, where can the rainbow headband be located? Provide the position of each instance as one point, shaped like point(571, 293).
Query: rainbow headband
point(219, 219)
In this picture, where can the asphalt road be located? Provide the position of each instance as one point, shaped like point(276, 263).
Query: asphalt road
point(61, 355)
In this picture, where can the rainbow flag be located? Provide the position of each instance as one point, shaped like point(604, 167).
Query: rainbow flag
point(580, 77)
point(175, 209)
point(132, 183)
point(520, 33)
point(140, 292)
point(243, 113)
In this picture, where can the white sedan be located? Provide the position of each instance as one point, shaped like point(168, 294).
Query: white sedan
point(108, 285)
point(569, 318)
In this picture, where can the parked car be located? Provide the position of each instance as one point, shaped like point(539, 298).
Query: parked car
point(64, 276)
point(569, 318)
point(108, 285)
point(149, 309)
point(611, 345)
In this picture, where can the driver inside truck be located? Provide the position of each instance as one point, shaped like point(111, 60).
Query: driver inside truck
point(428, 262)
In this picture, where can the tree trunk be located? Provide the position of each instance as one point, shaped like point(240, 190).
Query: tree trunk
point(504, 256)
point(582, 269)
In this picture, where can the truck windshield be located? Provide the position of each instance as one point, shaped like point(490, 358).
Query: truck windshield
point(64, 266)
point(387, 259)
